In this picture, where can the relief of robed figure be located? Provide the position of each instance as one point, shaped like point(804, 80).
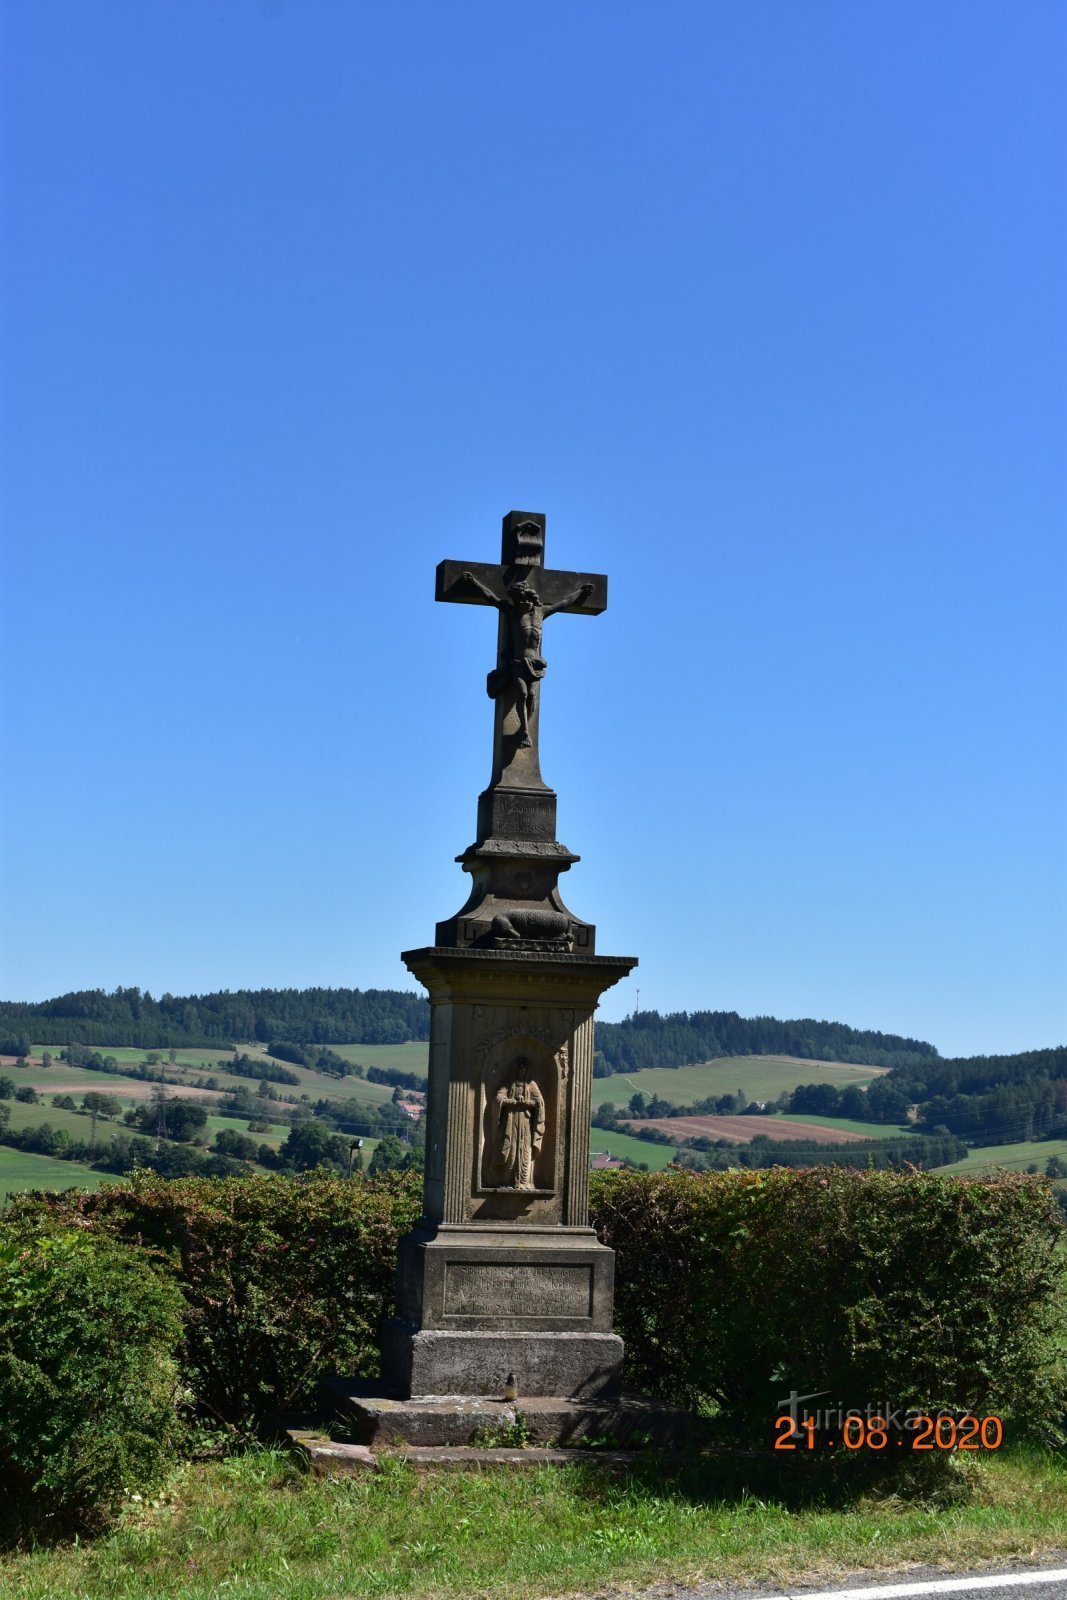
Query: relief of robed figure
point(519, 1126)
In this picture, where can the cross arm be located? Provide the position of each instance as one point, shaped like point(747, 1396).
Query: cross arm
point(552, 586)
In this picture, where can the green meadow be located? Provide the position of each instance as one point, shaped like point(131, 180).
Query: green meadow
point(79, 1127)
point(413, 1056)
point(1012, 1157)
point(20, 1171)
point(758, 1077)
point(655, 1156)
point(869, 1130)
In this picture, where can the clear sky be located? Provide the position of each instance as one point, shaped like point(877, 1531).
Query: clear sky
point(761, 301)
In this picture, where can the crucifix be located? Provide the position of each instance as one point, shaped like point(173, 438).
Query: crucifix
point(525, 593)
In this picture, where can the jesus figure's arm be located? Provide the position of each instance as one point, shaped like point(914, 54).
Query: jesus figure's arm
point(483, 589)
point(574, 599)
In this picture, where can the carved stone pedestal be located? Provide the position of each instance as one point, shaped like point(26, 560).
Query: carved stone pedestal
point(503, 1274)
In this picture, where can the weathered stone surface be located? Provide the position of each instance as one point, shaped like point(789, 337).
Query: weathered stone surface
point(464, 1420)
point(460, 1458)
point(441, 1362)
point(503, 1274)
point(514, 900)
point(502, 1278)
point(492, 1010)
point(327, 1458)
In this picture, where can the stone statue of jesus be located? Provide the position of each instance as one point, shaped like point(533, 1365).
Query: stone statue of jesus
point(520, 1127)
point(522, 663)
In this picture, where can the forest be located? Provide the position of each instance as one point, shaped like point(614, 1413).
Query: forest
point(133, 1017)
point(682, 1037)
point(986, 1099)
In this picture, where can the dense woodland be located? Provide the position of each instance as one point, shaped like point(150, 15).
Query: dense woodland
point(304, 1016)
point(682, 1037)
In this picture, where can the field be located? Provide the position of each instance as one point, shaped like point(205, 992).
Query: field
point(79, 1127)
point(190, 1065)
point(655, 1156)
point(866, 1130)
point(741, 1129)
point(414, 1056)
point(758, 1077)
point(1014, 1157)
point(19, 1171)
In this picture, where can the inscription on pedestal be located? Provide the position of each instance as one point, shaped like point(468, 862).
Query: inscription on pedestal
point(510, 1289)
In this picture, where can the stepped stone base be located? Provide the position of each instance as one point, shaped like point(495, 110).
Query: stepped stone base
point(450, 1421)
point(445, 1362)
point(327, 1459)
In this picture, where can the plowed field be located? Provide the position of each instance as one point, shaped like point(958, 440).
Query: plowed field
point(742, 1129)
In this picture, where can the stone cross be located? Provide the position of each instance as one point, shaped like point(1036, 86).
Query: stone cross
point(525, 592)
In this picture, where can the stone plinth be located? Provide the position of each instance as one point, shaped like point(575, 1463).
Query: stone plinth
point(503, 1273)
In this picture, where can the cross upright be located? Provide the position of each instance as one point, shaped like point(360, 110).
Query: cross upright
point(525, 592)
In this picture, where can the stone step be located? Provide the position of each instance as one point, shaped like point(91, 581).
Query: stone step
point(328, 1458)
point(464, 1421)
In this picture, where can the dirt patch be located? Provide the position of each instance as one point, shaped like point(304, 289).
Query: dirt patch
point(741, 1129)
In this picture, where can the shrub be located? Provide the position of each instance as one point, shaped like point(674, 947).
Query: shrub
point(283, 1278)
point(87, 1377)
point(732, 1288)
point(916, 1290)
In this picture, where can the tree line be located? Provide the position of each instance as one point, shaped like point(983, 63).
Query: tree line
point(131, 1016)
point(682, 1038)
point(984, 1099)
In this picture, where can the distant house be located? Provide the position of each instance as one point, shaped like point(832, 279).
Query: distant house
point(601, 1160)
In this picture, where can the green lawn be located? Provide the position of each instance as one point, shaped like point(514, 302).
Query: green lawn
point(255, 1528)
point(758, 1077)
point(655, 1156)
point(19, 1171)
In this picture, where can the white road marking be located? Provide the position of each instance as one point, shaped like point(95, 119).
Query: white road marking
point(900, 1591)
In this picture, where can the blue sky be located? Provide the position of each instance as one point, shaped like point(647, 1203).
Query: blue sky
point(762, 303)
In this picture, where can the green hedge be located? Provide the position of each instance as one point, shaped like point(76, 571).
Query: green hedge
point(905, 1288)
point(731, 1288)
point(283, 1278)
point(88, 1332)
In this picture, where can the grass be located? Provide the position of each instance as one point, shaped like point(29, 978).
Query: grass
point(201, 1059)
point(1015, 1157)
point(870, 1130)
point(413, 1056)
point(46, 1079)
point(214, 1125)
point(19, 1170)
point(759, 1077)
point(255, 1528)
point(79, 1127)
point(655, 1156)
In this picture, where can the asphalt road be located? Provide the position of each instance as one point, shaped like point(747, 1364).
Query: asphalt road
point(1047, 1582)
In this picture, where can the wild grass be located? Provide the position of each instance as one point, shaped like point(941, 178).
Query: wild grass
point(257, 1528)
